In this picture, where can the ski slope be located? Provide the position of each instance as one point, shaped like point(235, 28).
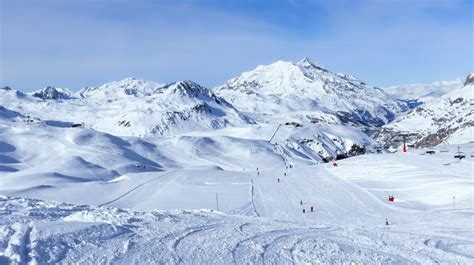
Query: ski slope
point(260, 219)
point(76, 195)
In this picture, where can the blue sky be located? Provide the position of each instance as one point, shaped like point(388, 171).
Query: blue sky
point(73, 43)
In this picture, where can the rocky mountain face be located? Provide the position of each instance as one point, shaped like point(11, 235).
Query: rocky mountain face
point(306, 92)
point(53, 93)
point(448, 119)
point(469, 80)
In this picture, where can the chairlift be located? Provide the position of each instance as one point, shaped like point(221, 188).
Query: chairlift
point(391, 197)
point(76, 125)
point(140, 165)
point(444, 149)
point(430, 152)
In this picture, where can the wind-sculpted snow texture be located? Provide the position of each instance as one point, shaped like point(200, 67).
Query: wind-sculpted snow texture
point(48, 232)
point(307, 92)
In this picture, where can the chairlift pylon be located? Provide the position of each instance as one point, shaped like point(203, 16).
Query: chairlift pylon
point(460, 155)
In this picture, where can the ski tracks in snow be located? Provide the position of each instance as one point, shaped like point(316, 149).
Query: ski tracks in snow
point(253, 198)
point(20, 244)
point(83, 235)
point(135, 188)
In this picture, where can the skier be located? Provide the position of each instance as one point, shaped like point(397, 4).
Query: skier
point(386, 221)
point(301, 202)
point(311, 208)
point(304, 210)
point(278, 179)
point(284, 174)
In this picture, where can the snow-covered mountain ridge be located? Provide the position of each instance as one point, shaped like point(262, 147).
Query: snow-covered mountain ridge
point(447, 119)
point(131, 107)
point(423, 93)
point(280, 93)
point(127, 87)
point(307, 92)
point(288, 93)
point(53, 93)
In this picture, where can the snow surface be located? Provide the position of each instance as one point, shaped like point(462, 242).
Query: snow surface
point(49, 232)
point(260, 220)
point(38, 156)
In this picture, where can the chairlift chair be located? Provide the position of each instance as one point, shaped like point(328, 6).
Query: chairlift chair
point(460, 155)
point(391, 197)
point(444, 149)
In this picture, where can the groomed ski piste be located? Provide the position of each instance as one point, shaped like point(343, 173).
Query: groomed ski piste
point(167, 214)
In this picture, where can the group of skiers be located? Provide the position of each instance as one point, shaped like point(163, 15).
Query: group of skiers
point(312, 207)
point(304, 210)
point(301, 202)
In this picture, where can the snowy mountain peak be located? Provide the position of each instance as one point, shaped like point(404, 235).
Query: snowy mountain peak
point(130, 107)
point(129, 79)
point(7, 91)
point(306, 91)
point(469, 79)
point(189, 89)
point(124, 88)
point(50, 92)
point(308, 63)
